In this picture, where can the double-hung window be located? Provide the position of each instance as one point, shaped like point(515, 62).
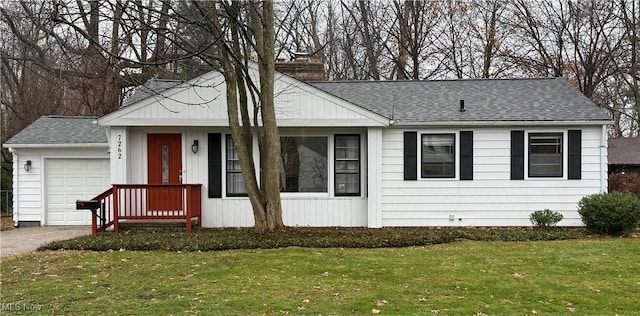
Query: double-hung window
point(438, 155)
point(545, 155)
point(235, 180)
point(347, 165)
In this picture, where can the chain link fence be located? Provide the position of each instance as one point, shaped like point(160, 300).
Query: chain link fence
point(6, 202)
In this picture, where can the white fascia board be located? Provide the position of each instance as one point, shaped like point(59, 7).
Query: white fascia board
point(184, 122)
point(79, 145)
point(502, 123)
point(330, 123)
point(225, 123)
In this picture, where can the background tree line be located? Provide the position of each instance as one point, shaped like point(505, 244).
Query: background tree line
point(71, 57)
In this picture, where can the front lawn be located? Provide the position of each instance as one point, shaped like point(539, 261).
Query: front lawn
point(580, 277)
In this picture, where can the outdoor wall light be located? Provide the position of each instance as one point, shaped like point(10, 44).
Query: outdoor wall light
point(194, 147)
point(27, 166)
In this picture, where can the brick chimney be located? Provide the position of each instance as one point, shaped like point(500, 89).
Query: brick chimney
point(302, 68)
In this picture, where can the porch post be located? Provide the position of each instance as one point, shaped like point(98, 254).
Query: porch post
point(189, 205)
point(94, 222)
point(116, 208)
point(119, 146)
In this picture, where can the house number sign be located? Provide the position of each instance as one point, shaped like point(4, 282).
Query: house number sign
point(119, 146)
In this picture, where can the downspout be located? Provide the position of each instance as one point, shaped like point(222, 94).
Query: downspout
point(15, 188)
point(603, 160)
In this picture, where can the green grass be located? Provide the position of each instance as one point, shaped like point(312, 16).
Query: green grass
point(577, 277)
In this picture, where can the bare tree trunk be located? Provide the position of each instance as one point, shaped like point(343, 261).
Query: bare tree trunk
point(631, 23)
point(264, 32)
point(265, 199)
point(368, 41)
point(490, 40)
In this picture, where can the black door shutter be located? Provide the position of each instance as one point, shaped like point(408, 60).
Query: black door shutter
point(575, 157)
point(466, 155)
point(215, 165)
point(410, 155)
point(517, 155)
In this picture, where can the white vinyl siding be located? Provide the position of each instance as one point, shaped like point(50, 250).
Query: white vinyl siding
point(31, 199)
point(27, 192)
point(491, 198)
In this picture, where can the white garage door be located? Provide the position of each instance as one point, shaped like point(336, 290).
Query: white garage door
point(68, 180)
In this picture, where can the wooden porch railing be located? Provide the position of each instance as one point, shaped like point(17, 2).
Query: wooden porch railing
point(148, 202)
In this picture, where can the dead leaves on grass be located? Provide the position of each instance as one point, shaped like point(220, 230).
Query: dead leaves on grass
point(381, 302)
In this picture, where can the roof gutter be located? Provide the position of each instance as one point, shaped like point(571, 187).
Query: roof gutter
point(502, 123)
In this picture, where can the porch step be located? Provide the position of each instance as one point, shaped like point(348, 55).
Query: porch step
point(132, 224)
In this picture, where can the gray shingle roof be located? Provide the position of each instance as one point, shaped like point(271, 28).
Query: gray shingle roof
point(61, 130)
point(541, 99)
point(624, 151)
point(150, 88)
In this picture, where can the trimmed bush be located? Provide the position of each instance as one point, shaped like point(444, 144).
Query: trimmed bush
point(610, 213)
point(625, 182)
point(545, 219)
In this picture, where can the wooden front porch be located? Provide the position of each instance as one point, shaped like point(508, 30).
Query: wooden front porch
point(152, 203)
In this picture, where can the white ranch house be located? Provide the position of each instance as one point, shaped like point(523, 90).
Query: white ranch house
point(484, 152)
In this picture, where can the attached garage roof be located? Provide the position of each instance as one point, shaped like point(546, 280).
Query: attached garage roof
point(50, 130)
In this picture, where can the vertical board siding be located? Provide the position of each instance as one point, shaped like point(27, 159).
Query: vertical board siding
point(237, 212)
point(294, 101)
point(491, 198)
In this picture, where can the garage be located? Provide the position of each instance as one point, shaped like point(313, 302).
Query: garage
point(56, 161)
point(68, 180)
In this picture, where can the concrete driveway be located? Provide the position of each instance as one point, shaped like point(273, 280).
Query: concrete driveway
point(27, 239)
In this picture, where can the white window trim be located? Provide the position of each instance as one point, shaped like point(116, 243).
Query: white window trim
point(565, 156)
point(456, 139)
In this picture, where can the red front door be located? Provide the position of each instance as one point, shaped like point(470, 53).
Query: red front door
point(165, 167)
